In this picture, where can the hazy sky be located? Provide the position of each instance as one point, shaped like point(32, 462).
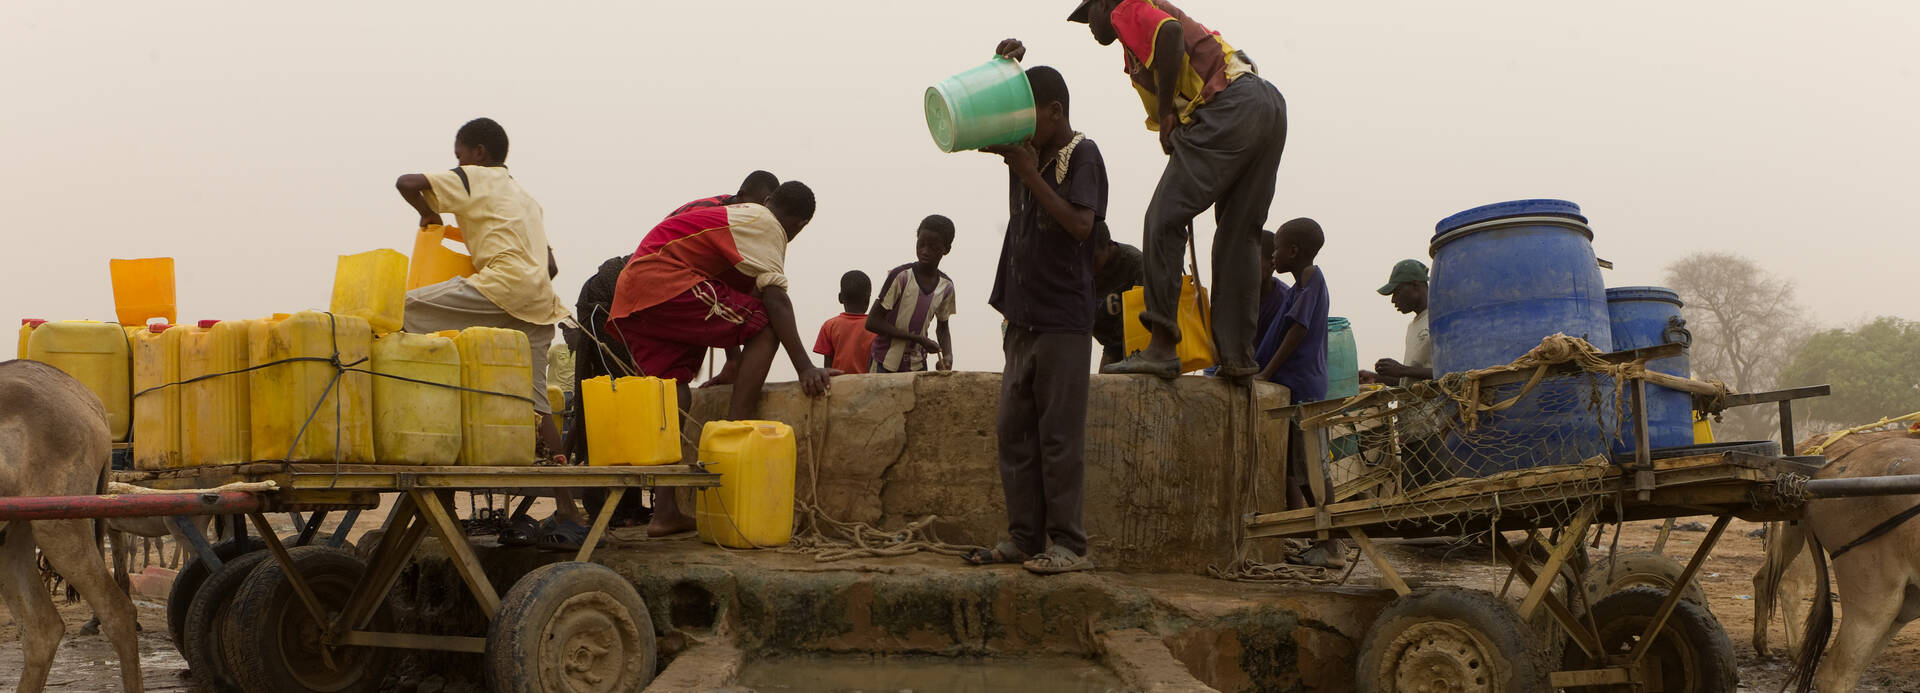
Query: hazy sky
point(254, 142)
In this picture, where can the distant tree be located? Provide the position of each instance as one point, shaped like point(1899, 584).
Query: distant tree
point(1746, 328)
point(1873, 370)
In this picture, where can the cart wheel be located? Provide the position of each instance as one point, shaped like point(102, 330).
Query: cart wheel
point(1615, 573)
point(1691, 650)
point(573, 627)
point(1451, 639)
point(292, 540)
point(203, 647)
point(187, 582)
point(364, 550)
point(273, 644)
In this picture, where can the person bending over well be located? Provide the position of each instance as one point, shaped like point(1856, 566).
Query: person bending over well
point(715, 277)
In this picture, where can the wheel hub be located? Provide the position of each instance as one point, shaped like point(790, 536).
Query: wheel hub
point(591, 645)
point(1440, 657)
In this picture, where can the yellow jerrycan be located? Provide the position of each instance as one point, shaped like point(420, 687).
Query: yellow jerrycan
point(143, 290)
point(214, 415)
point(285, 394)
point(496, 429)
point(26, 332)
point(753, 505)
point(433, 262)
point(415, 423)
point(156, 401)
point(1196, 336)
point(94, 353)
point(372, 285)
point(631, 421)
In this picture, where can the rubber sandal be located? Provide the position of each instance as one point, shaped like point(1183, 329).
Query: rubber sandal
point(564, 536)
point(1056, 560)
point(520, 531)
point(1003, 553)
point(1135, 364)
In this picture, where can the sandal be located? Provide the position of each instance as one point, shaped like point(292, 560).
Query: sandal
point(1002, 553)
point(1136, 364)
point(1056, 560)
point(564, 536)
point(520, 531)
point(1320, 556)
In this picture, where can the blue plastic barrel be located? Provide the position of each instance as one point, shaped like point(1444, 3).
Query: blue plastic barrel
point(1505, 276)
point(1645, 316)
point(1343, 360)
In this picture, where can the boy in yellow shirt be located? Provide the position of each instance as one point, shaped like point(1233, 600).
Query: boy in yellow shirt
point(512, 283)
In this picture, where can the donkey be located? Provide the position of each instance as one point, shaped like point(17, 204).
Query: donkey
point(54, 442)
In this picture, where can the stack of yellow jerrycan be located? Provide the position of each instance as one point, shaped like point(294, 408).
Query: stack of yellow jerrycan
point(414, 423)
point(285, 395)
point(631, 421)
point(214, 416)
point(26, 332)
point(372, 285)
point(156, 401)
point(94, 353)
point(496, 429)
point(753, 506)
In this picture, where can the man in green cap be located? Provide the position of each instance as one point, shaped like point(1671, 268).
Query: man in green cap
point(1408, 287)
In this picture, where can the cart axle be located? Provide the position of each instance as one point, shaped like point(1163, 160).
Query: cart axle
point(132, 505)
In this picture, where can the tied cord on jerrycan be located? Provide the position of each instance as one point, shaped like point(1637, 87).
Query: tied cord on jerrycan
point(340, 369)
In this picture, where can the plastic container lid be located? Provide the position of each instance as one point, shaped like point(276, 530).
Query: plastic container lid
point(158, 327)
point(204, 324)
point(36, 322)
point(1513, 208)
point(1644, 293)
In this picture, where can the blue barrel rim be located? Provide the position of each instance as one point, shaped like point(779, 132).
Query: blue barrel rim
point(1339, 323)
point(1530, 207)
point(1644, 293)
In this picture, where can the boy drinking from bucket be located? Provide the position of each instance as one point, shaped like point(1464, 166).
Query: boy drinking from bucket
point(715, 278)
point(913, 297)
point(844, 342)
point(1044, 287)
point(1294, 350)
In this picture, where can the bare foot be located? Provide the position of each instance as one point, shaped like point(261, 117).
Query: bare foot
point(665, 526)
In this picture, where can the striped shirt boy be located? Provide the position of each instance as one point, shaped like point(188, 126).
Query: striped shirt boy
point(904, 304)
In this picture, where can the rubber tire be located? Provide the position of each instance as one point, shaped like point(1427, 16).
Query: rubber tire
point(259, 661)
point(1624, 614)
point(203, 649)
point(515, 652)
point(186, 583)
point(1640, 569)
point(364, 550)
point(1494, 622)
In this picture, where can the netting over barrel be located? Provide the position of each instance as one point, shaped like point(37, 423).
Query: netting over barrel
point(1542, 426)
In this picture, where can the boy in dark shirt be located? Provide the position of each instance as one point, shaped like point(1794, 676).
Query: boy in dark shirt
point(1044, 287)
point(1117, 267)
point(1294, 350)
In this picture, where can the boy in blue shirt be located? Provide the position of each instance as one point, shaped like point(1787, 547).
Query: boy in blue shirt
point(1294, 351)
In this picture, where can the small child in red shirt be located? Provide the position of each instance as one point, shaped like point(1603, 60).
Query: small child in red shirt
point(844, 341)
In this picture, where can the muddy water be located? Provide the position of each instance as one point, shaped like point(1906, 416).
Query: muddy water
point(851, 674)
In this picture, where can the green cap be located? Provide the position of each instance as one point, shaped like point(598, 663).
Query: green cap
point(1404, 271)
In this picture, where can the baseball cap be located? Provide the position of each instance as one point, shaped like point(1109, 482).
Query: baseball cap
point(1404, 271)
point(1081, 11)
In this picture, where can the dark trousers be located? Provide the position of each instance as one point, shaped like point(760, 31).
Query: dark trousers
point(1043, 437)
point(1228, 159)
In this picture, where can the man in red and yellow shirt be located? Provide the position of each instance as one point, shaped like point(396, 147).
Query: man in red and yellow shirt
point(1223, 129)
point(755, 189)
point(715, 277)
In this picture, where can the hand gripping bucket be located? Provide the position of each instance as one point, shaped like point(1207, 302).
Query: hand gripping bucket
point(987, 105)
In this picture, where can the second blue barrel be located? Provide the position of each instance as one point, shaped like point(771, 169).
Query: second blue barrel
point(1644, 316)
point(1505, 276)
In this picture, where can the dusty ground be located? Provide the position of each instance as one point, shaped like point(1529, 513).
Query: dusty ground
point(1727, 578)
point(86, 663)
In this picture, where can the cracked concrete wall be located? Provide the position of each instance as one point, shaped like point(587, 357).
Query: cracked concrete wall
point(1167, 462)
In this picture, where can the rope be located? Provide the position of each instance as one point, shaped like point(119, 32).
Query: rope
point(115, 488)
point(1834, 437)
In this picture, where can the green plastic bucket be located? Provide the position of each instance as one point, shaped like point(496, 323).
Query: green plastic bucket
point(987, 105)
